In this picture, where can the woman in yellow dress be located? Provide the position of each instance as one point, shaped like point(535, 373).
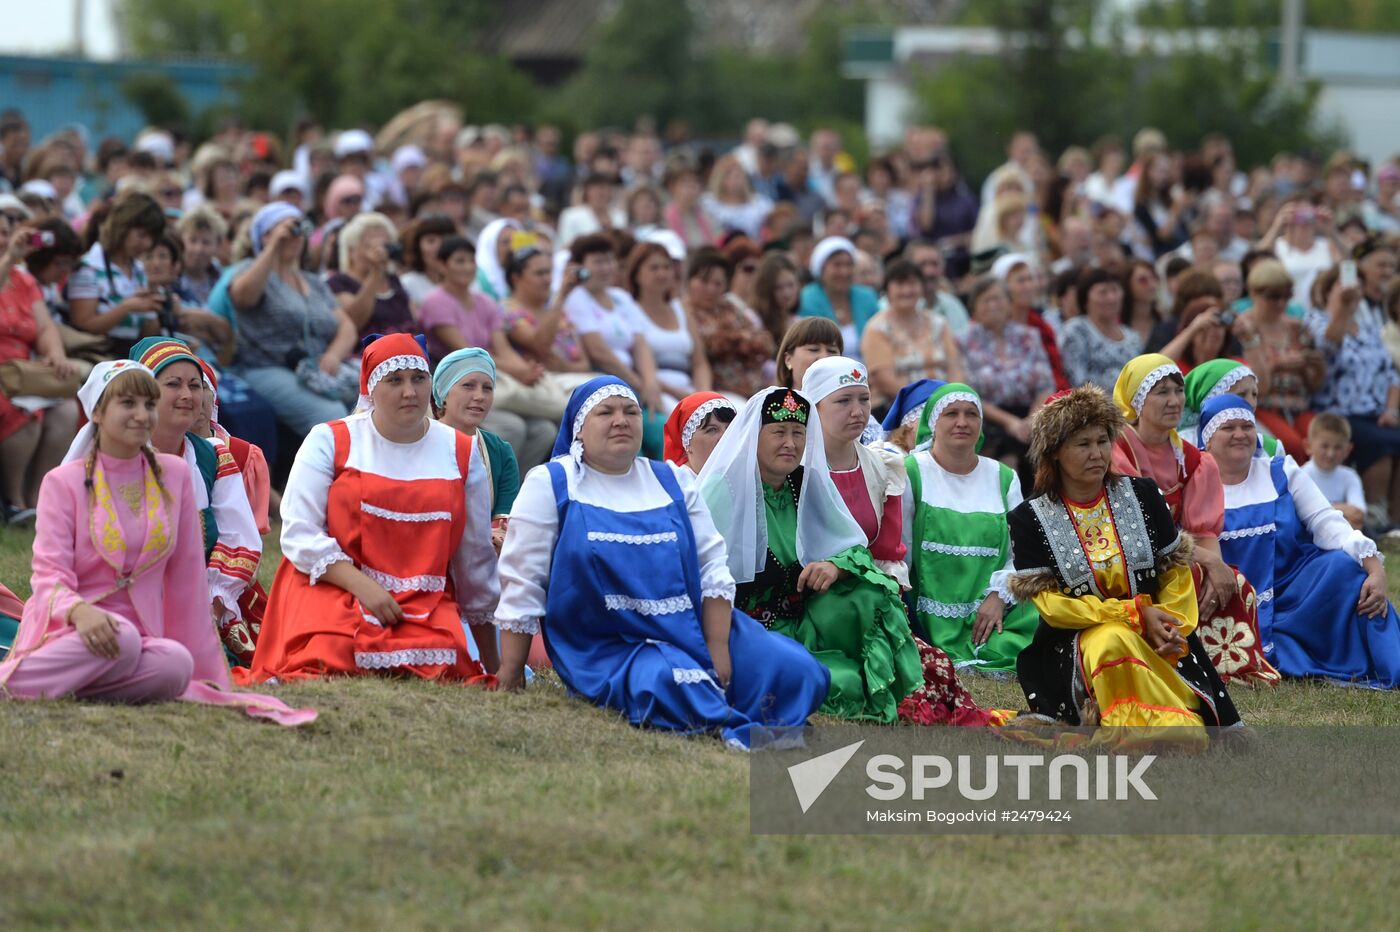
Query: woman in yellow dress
point(1102, 561)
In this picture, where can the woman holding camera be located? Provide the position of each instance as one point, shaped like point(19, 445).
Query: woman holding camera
point(109, 294)
point(31, 442)
point(365, 286)
point(294, 342)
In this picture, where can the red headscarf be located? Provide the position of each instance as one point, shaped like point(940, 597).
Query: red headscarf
point(389, 354)
point(686, 419)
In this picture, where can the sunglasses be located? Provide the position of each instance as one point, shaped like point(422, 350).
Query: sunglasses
point(1277, 294)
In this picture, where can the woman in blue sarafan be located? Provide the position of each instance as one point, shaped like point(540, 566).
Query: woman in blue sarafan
point(1323, 609)
point(616, 560)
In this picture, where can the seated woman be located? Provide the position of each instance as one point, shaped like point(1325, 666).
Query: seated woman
point(365, 285)
point(1280, 350)
point(455, 317)
point(739, 348)
point(1102, 561)
point(294, 342)
point(908, 341)
point(954, 514)
point(108, 293)
point(681, 364)
point(803, 569)
point(232, 543)
point(1213, 379)
point(871, 483)
point(464, 387)
point(834, 294)
point(386, 540)
point(248, 457)
point(1323, 609)
point(1150, 396)
point(118, 611)
point(616, 559)
point(695, 427)
point(492, 252)
point(535, 321)
point(901, 423)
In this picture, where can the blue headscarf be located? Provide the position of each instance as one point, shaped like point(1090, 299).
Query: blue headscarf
point(267, 217)
point(583, 400)
point(1221, 410)
point(456, 366)
point(909, 398)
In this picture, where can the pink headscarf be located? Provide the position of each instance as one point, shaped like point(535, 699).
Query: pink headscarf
point(342, 186)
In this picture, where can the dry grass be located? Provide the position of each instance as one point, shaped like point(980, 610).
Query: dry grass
point(424, 806)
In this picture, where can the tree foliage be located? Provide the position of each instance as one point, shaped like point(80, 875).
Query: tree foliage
point(1066, 74)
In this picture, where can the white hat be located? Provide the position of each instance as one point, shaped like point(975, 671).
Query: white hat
point(783, 136)
point(467, 137)
point(284, 181)
point(353, 142)
point(409, 156)
point(40, 187)
point(9, 203)
point(668, 240)
point(1004, 264)
point(158, 143)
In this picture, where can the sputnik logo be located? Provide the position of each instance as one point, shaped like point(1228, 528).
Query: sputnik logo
point(811, 777)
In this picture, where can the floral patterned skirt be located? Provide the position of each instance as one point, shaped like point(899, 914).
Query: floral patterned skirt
point(943, 699)
point(1231, 637)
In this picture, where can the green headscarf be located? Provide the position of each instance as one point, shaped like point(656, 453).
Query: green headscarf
point(1213, 378)
point(944, 396)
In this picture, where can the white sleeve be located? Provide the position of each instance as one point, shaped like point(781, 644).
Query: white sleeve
point(234, 563)
point(305, 540)
point(527, 554)
point(716, 582)
point(908, 507)
point(1328, 528)
point(1000, 582)
point(473, 566)
point(579, 309)
point(1356, 495)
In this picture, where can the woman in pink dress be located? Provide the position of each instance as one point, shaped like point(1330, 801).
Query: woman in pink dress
point(119, 610)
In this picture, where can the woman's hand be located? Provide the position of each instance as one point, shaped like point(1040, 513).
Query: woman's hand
point(62, 366)
point(278, 235)
point(376, 601)
point(1372, 602)
point(1389, 418)
point(818, 577)
point(532, 371)
point(1161, 633)
point(989, 616)
point(1020, 428)
point(1221, 585)
point(651, 398)
point(97, 629)
point(330, 362)
point(723, 669)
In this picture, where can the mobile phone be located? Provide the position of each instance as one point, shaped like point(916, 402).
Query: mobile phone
point(1346, 275)
point(41, 239)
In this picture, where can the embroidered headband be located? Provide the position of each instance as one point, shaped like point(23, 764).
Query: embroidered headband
point(1232, 412)
point(787, 408)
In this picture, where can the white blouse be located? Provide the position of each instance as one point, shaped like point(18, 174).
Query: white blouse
point(1329, 529)
point(977, 492)
point(534, 527)
point(307, 543)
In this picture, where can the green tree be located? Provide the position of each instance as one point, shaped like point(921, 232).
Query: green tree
point(158, 98)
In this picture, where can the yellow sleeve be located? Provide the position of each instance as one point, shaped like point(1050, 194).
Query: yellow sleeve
point(1177, 596)
point(1063, 611)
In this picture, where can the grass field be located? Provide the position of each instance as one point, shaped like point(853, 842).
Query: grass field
point(419, 806)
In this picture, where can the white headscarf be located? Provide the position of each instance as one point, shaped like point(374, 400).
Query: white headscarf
point(488, 259)
point(825, 250)
point(733, 491)
point(832, 374)
point(89, 396)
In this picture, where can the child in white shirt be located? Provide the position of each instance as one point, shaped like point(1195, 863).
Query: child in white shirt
point(1329, 445)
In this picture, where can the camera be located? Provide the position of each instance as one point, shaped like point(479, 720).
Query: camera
point(303, 227)
point(394, 251)
point(1227, 318)
point(42, 239)
point(166, 313)
point(584, 275)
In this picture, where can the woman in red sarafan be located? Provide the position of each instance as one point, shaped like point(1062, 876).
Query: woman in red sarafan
point(386, 540)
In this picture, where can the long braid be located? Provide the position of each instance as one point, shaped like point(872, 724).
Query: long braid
point(150, 455)
point(90, 468)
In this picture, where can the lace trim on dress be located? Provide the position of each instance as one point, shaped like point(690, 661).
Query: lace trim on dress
point(323, 564)
point(477, 618)
point(684, 675)
point(407, 583)
point(415, 656)
point(1239, 533)
point(1266, 596)
point(928, 606)
point(953, 550)
point(415, 517)
point(613, 538)
point(517, 625)
point(672, 606)
point(719, 592)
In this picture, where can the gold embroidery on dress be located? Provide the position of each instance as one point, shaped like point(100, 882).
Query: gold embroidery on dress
point(132, 494)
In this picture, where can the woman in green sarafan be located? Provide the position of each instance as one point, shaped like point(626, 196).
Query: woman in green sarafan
point(803, 570)
point(956, 539)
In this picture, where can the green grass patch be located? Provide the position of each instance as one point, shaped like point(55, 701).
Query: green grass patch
point(425, 806)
